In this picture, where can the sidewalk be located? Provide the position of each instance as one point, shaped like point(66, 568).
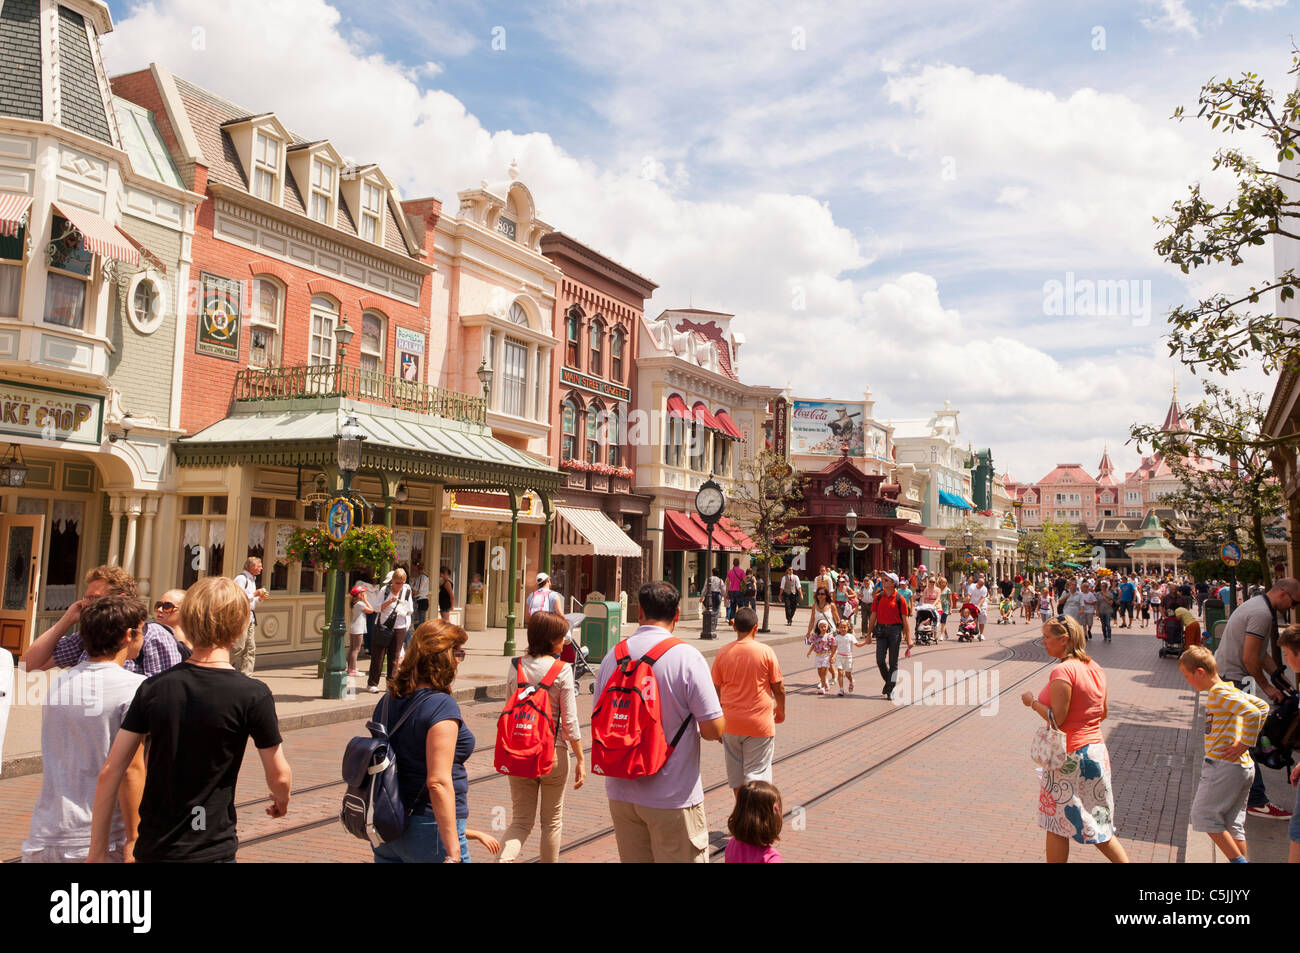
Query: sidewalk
point(297, 689)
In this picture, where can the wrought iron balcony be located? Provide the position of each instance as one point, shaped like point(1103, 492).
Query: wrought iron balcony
point(333, 380)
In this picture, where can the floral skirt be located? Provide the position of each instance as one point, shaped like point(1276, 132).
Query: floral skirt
point(1076, 799)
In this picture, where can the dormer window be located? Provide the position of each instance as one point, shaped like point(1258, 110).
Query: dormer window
point(370, 205)
point(266, 166)
point(322, 191)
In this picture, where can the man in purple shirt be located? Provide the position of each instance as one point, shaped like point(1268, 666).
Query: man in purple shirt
point(660, 818)
point(60, 645)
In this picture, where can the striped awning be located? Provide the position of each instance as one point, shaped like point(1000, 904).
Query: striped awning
point(582, 532)
point(728, 425)
point(13, 213)
point(915, 541)
point(99, 236)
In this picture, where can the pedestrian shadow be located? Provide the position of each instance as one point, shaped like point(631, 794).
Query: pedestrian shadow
point(1151, 770)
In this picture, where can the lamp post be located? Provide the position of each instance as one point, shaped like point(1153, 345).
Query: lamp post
point(967, 537)
point(709, 503)
point(484, 374)
point(851, 524)
point(349, 460)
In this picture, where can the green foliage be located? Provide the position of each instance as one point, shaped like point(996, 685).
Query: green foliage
point(1218, 333)
point(764, 503)
point(364, 547)
point(1052, 544)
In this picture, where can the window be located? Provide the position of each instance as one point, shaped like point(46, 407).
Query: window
point(571, 338)
point(370, 206)
point(673, 445)
point(264, 323)
point(699, 445)
point(514, 377)
point(613, 438)
point(593, 433)
point(11, 273)
point(322, 190)
point(568, 429)
point(372, 342)
point(616, 355)
point(518, 315)
point(203, 538)
point(597, 347)
point(721, 454)
point(324, 315)
point(266, 166)
point(69, 262)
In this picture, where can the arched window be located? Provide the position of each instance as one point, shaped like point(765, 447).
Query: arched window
point(593, 433)
point(597, 364)
point(571, 337)
point(616, 355)
point(266, 322)
point(518, 315)
point(568, 429)
point(373, 339)
point(613, 437)
point(324, 316)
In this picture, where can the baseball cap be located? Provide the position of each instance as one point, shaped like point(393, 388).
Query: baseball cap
point(542, 577)
point(892, 578)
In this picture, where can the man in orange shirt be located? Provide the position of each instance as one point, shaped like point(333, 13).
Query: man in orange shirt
point(747, 677)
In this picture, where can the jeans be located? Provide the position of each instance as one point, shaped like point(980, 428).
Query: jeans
point(1105, 626)
point(735, 600)
point(888, 640)
point(421, 613)
point(420, 843)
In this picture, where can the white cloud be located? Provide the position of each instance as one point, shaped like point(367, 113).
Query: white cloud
point(1261, 4)
point(1175, 17)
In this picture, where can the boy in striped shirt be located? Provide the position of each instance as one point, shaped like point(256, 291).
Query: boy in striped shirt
point(1233, 721)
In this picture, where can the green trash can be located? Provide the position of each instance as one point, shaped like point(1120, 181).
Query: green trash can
point(602, 628)
point(1214, 612)
point(806, 587)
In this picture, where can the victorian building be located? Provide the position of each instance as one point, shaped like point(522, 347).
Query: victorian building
point(95, 245)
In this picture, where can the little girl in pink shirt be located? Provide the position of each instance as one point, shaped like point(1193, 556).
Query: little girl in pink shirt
point(755, 825)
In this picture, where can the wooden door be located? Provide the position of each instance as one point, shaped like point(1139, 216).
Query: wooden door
point(21, 538)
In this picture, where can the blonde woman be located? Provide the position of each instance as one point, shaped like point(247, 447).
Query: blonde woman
point(1077, 801)
point(944, 602)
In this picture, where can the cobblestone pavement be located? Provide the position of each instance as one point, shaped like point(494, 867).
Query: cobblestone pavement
point(862, 779)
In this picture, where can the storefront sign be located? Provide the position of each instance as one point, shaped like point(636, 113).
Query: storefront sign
point(219, 318)
point(402, 540)
point(410, 354)
point(821, 428)
point(282, 536)
point(62, 416)
point(594, 384)
point(878, 442)
point(781, 428)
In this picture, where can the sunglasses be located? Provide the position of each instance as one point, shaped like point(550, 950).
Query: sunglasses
point(169, 606)
point(458, 654)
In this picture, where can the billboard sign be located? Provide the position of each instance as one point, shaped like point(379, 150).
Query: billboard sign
point(822, 427)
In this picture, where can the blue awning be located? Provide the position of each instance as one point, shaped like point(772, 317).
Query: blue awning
point(952, 499)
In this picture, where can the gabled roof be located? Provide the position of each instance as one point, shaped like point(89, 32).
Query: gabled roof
point(1068, 473)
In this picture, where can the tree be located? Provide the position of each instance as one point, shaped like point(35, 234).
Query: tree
point(1052, 544)
point(1237, 497)
point(955, 542)
point(1217, 333)
point(764, 503)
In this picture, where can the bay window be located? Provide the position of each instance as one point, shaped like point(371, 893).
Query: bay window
point(69, 276)
point(11, 273)
point(514, 374)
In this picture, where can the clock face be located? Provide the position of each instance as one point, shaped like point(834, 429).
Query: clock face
point(709, 501)
point(843, 487)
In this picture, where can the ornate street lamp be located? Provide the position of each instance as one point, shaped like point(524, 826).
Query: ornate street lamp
point(851, 524)
point(709, 503)
point(342, 337)
point(339, 520)
point(485, 377)
point(13, 470)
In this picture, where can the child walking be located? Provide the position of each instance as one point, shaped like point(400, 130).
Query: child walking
point(822, 644)
point(1233, 720)
point(844, 643)
point(755, 825)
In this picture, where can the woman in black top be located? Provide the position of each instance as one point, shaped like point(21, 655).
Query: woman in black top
point(444, 594)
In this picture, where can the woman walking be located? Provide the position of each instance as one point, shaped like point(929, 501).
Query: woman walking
point(944, 602)
point(546, 634)
point(389, 639)
point(1076, 801)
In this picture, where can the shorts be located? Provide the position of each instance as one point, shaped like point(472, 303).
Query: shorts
point(1085, 619)
point(66, 855)
point(844, 663)
point(943, 618)
point(1219, 806)
point(748, 759)
point(823, 660)
point(983, 618)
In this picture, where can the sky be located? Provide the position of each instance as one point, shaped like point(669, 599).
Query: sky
point(889, 197)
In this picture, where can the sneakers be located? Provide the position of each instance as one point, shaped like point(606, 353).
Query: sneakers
point(821, 689)
point(353, 671)
point(1271, 811)
point(842, 693)
point(373, 689)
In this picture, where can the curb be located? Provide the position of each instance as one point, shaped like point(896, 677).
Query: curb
point(32, 762)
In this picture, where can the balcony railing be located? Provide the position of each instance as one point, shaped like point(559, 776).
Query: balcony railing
point(332, 380)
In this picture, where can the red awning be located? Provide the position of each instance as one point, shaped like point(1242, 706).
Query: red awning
point(701, 414)
point(914, 541)
point(723, 541)
point(680, 533)
point(13, 213)
point(728, 425)
point(100, 237)
point(677, 407)
point(739, 535)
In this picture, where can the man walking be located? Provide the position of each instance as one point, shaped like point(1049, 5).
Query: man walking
point(1127, 594)
point(660, 818)
point(735, 589)
point(747, 678)
point(542, 599)
point(977, 594)
point(889, 624)
point(243, 654)
point(420, 590)
point(790, 591)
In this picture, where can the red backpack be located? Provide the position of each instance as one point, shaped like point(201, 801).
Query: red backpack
point(627, 731)
point(525, 728)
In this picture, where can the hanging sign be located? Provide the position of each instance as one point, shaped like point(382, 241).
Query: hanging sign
point(338, 518)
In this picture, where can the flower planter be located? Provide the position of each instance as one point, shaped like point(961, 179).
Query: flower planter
point(575, 480)
point(599, 483)
point(621, 485)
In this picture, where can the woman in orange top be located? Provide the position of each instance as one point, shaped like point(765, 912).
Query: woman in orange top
point(1076, 800)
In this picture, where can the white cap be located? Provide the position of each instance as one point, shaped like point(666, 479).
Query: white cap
point(542, 577)
point(892, 578)
point(389, 577)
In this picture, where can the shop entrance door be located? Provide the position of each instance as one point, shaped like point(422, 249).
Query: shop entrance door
point(499, 571)
point(20, 550)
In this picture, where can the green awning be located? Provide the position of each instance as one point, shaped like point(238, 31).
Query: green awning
point(285, 433)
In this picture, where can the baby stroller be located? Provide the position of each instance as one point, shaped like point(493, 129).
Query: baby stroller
point(927, 623)
point(968, 629)
point(576, 654)
point(1005, 608)
point(1170, 632)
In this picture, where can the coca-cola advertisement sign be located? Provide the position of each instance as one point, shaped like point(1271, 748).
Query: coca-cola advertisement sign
point(823, 427)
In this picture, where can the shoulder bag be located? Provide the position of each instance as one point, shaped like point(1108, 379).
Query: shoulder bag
point(1047, 749)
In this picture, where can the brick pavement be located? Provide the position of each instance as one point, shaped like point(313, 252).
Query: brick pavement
point(967, 794)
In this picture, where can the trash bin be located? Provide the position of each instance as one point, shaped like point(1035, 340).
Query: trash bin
point(806, 592)
point(1214, 612)
point(602, 628)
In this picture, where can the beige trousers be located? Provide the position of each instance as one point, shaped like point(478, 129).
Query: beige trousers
point(524, 794)
point(655, 835)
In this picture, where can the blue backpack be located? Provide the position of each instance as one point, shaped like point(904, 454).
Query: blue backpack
point(372, 807)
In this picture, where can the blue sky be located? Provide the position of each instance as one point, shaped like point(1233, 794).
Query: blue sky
point(912, 174)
